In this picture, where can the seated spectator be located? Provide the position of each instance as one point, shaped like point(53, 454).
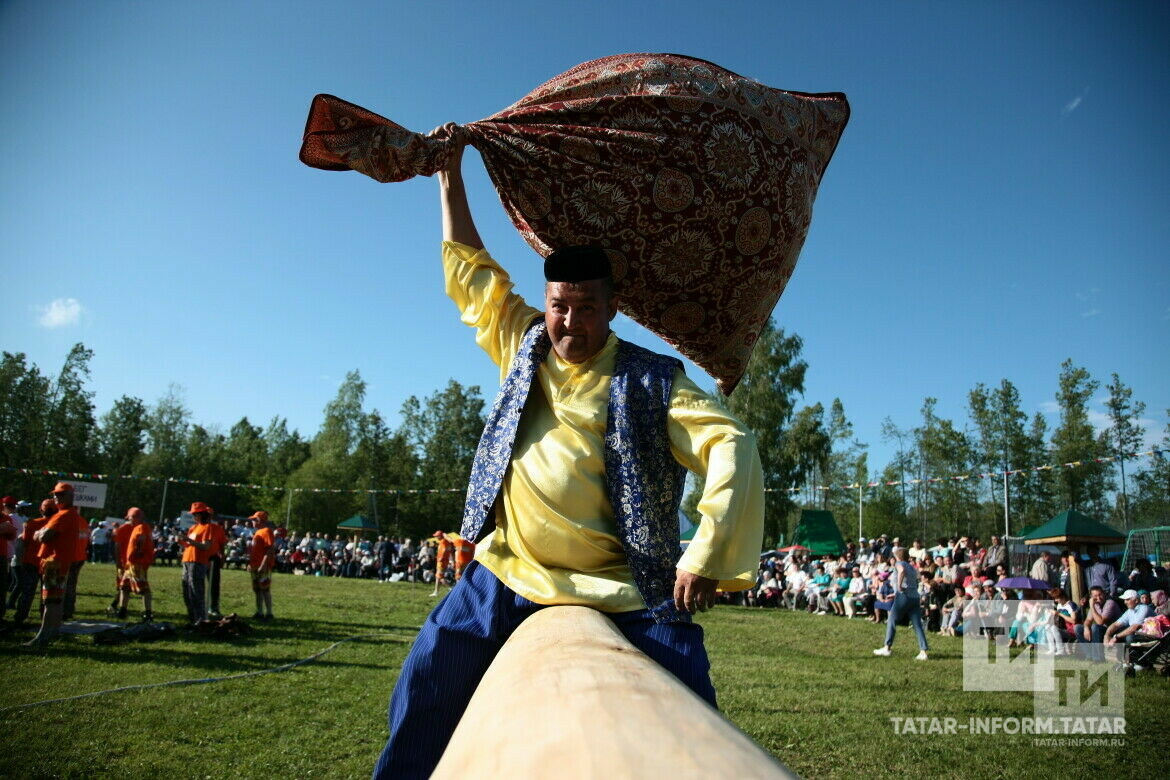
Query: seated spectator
point(794, 585)
point(948, 572)
point(855, 593)
point(369, 564)
point(769, 590)
point(817, 592)
point(837, 591)
point(1130, 621)
point(930, 596)
point(1062, 627)
point(883, 593)
point(1160, 602)
point(1100, 613)
point(1031, 621)
point(1001, 573)
point(952, 612)
point(974, 575)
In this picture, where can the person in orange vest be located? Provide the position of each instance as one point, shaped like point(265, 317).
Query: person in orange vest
point(8, 536)
point(28, 570)
point(464, 553)
point(261, 560)
point(81, 555)
point(123, 535)
point(196, 543)
point(121, 585)
point(138, 557)
point(444, 558)
point(214, 563)
point(59, 542)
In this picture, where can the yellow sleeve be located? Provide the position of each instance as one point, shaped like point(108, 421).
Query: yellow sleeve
point(482, 291)
point(722, 453)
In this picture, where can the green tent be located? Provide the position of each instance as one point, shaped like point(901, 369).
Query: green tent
point(1071, 526)
point(817, 530)
point(359, 523)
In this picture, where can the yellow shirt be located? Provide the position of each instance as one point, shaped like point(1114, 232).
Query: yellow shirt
point(555, 540)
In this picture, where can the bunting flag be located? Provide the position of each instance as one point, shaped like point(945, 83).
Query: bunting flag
point(1155, 453)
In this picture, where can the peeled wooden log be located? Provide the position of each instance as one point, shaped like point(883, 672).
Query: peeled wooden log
point(569, 696)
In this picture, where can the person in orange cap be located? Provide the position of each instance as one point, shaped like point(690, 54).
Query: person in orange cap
point(124, 561)
point(261, 560)
point(58, 540)
point(464, 553)
point(214, 563)
point(196, 543)
point(121, 537)
point(444, 558)
point(80, 556)
point(28, 572)
point(138, 556)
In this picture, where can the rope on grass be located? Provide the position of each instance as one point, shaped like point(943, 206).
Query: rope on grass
point(203, 680)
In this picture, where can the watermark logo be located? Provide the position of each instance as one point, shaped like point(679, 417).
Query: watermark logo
point(1083, 692)
point(990, 663)
point(1011, 646)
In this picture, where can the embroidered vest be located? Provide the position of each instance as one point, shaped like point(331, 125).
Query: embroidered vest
point(643, 480)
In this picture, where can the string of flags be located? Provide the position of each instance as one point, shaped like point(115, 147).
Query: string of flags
point(1156, 453)
point(209, 483)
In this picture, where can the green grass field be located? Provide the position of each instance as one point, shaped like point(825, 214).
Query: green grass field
point(806, 687)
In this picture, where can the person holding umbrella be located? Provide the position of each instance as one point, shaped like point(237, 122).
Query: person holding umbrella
point(906, 603)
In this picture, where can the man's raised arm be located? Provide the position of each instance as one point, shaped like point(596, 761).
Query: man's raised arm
point(458, 225)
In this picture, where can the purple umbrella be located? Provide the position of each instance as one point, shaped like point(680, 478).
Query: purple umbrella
point(1022, 583)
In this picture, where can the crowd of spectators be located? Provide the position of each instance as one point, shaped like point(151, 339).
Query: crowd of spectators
point(312, 553)
point(959, 589)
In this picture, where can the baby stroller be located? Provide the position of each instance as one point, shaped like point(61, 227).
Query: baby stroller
point(1147, 652)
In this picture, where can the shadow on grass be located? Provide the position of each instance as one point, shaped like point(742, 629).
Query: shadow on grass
point(205, 653)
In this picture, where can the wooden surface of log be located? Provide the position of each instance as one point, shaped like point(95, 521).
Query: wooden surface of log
point(569, 697)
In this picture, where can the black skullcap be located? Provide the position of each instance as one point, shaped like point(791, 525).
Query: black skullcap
point(579, 263)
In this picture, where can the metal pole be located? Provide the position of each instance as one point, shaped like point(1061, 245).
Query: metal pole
point(1006, 515)
point(163, 507)
point(860, 507)
point(288, 511)
point(1124, 495)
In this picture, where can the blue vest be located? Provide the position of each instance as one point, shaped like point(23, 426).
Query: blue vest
point(643, 480)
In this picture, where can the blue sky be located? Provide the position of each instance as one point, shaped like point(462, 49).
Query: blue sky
point(997, 204)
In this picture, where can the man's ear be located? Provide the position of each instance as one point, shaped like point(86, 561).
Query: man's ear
point(613, 307)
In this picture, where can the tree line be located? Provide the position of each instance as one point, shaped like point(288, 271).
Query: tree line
point(50, 422)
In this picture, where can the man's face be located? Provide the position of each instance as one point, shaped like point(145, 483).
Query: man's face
point(1098, 596)
point(577, 315)
point(64, 499)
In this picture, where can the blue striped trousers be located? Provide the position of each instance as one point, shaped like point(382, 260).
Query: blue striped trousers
point(457, 644)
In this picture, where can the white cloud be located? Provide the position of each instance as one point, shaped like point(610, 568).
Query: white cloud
point(59, 313)
point(1091, 312)
point(1049, 407)
point(1149, 427)
point(1074, 104)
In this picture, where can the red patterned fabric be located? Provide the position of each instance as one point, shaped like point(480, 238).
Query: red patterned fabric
point(699, 183)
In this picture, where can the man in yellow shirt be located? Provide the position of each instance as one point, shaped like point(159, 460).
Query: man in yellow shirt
point(575, 490)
